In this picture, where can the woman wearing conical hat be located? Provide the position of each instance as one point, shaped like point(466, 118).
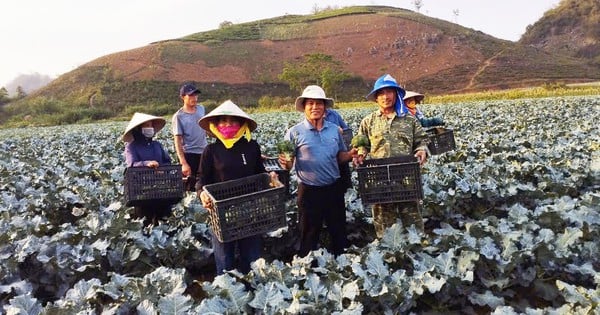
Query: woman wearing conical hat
point(141, 150)
point(412, 99)
point(234, 155)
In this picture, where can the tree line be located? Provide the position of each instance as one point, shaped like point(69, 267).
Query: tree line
point(5, 98)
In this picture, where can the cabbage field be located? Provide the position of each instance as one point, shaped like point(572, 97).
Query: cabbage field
point(513, 227)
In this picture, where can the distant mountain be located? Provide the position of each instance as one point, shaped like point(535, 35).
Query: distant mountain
point(243, 61)
point(28, 82)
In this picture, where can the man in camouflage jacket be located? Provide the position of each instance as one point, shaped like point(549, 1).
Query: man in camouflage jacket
point(393, 132)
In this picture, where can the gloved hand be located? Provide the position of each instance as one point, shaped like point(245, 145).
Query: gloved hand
point(437, 121)
point(430, 122)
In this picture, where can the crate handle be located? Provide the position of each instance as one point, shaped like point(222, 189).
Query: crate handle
point(388, 173)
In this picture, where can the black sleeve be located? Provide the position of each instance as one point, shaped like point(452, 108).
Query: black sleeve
point(260, 167)
point(206, 169)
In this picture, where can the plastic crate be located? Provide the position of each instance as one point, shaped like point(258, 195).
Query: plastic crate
point(347, 136)
point(389, 180)
point(145, 184)
point(440, 140)
point(272, 164)
point(245, 207)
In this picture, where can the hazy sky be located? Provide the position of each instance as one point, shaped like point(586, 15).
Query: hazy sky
point(52, 37)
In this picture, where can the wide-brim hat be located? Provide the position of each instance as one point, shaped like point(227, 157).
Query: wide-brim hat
point(228, 108)
point(417, 96)
point(314, 92)
point(385, 81)
point(139, 118)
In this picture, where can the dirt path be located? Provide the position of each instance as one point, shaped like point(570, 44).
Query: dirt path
point(482, 68)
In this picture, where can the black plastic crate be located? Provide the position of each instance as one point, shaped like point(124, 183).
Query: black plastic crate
point(144, 184)
point(245, 207)
point(440, 140)
point(272, 164)
point(347, 136)
point(389, 180)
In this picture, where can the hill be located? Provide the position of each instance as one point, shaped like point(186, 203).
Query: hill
point(572, 28)
point(243, 62)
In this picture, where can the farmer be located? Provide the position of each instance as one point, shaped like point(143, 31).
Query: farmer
point(142, 151)
point(234, 155)
point(392, 132)
point(189, 138)
point(319, 148)
point(412, 99)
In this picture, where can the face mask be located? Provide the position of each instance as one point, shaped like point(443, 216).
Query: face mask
point(228, 131)
point(148, 132)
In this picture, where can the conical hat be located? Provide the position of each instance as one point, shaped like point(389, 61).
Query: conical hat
point(418, 96)
point(139, 118)
point(228, 108)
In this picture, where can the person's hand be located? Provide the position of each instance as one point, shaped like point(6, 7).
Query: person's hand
point(421, 156)
point(206, 200)
point(353, 152)
point(437, 121)
point(285, 163)
point(186, 170)
point(275, 180)
point(152, 164)
point(358, 160)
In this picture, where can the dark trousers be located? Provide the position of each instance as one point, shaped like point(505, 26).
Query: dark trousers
point(345, 175)
point(250, 249)
point(153, 210)
point(318, 204)
point(193, 160)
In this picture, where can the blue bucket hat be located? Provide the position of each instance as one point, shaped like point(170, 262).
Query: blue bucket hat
point(387, 81)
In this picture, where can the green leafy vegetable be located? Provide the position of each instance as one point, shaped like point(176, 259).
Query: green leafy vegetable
point(286, 148)
point(361, 142)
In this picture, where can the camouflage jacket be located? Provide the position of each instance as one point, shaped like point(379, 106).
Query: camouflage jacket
point(393, 137)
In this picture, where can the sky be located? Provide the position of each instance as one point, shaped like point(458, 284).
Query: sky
point(55, 37)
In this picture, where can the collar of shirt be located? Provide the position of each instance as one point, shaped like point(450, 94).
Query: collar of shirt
point(310, 126)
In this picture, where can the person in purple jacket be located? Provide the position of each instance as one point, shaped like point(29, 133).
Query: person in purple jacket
point(142, 151)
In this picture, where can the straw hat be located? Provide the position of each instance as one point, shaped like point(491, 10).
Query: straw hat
point(418, 96)
point(139, 118)
point(228, 108)
point(314, 92)
point(385, 81)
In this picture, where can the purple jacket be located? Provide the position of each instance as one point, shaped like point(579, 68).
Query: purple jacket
point(142, 150)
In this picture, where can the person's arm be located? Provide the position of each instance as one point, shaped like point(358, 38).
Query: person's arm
point(259, 166)
point(421, 140)
point(344, 156)
point(431, 122)
point(283, 162)
point(347, 156)
point(131, 158)
point(186, 170)
point(363, 129)
point(205, 172)
point(185, 167)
